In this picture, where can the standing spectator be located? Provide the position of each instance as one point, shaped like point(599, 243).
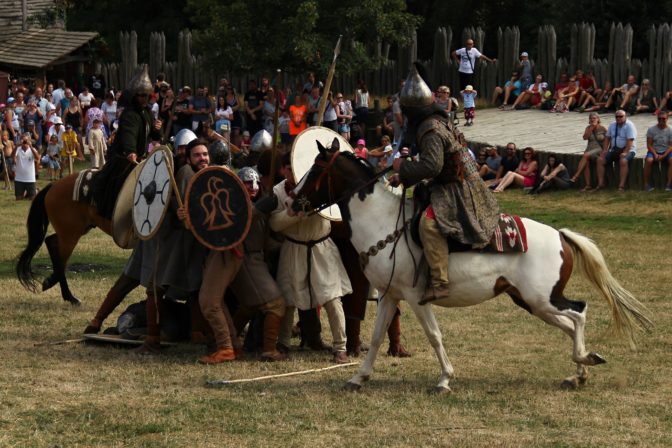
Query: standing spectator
point(11, 120)
point(659, 149)
point(466, 57)
point(93, 113)
point(526, 70)
point(361, 106)
point(166, 108)
point(64, 103)
point(344, 115)
point(646, 99)
point(19, 108)
point(298, 113)
point(53, 158)
point(469, 99)
point(313, 105)
point(618, 146)
point(594, 135)
point(223, 116)
point(109, 108)
point(33, 114)
point(59, 93)
point(199, 108)
point(97, 144)
point(330, 119)
point(154, 105)
point(27, 163)
point(85, 98)
point(7, 145)
point(73, 115)
point(182, 117)
point(268, 110)
point(509, 93)
point(237, 121)
point(254, 102)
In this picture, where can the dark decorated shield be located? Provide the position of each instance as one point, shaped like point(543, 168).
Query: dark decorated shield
point(152, 193)
point(219, 208)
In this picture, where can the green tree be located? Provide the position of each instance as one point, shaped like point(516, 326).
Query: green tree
point(297, 35)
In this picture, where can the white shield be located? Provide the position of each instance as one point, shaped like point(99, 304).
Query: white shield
point(304, 151)
point(152, 193)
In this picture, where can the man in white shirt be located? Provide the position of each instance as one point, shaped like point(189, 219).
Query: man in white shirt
point(467, 57)
point(26, 162)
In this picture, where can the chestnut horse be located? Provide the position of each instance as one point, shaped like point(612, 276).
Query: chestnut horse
point(70, 220)
point(535, 280)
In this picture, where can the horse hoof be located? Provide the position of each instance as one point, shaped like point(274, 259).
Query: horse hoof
point(440, 390)
point(596, 359)
point(74, 301)
point(569, 384)
point(47, 284)
point(352, 387)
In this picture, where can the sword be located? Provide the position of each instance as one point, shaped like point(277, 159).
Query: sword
point(70, 163)
point(327, 85)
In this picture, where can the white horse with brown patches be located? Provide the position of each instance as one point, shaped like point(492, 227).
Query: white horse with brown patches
point(535, 280)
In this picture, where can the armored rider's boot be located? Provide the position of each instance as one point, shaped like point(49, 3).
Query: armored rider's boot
point(436, 254)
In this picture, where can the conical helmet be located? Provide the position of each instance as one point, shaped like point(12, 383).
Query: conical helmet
point(140, 82)
point(416, 92)
point(261, 141)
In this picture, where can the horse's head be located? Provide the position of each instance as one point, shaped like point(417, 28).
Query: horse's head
point(334, 177)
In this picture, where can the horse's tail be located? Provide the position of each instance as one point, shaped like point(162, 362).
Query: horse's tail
point(37, 225)
point(628, 314)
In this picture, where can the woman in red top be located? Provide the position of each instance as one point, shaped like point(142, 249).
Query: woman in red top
point(525, 175)
point(297, 117)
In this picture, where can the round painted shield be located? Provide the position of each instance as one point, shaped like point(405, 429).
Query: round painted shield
point(219, 210)
point(152, 193)
point(304, 151)
point(123, 233)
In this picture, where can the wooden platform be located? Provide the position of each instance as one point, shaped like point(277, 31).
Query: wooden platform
point(544, 131)
point(558, 133)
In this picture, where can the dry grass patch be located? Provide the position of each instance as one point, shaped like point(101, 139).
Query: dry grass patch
point(508, 364)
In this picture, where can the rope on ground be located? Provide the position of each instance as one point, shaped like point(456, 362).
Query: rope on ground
point(280, 375)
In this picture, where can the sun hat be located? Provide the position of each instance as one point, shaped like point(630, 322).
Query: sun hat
point(469, 88)
point(57, 120)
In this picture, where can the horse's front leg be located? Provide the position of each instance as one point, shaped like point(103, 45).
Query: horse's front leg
point(384, 314)
point(428, 321)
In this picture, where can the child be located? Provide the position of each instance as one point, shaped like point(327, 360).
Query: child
point(53, 158)
point(469, 98)
point(97, 145)
point(70, 148)
point(360, 149)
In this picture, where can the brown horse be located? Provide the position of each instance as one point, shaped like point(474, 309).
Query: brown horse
point(70, 220)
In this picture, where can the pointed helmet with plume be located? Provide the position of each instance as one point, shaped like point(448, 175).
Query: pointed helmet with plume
point(416, 92)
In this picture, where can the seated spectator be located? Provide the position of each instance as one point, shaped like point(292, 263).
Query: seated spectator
point(488, 171)
point(560, 85)
point(480, 159)
point(666, 102)
point(597, 101)
point(659, 149)
point(509, 92)
point(567, 98)
point(508, 163)
point(646, 99)
point(624, 97)
point(443, 99)
point(525, 175)
point(534, 96)
point(554, 175)
point(594, 135)
point(587, 84)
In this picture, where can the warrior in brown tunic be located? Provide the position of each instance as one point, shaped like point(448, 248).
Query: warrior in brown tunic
point(462, 208)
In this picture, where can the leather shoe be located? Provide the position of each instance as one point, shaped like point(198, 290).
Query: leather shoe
point(340, 358)
point(223, 354)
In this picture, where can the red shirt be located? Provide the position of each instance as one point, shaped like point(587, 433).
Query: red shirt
point(297, 114)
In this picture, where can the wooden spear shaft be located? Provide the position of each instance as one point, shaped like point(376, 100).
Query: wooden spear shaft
point(280, 375)
point(327, 85)
point(276, 119)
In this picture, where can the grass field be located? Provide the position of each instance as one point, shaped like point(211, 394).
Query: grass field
point(508, 364)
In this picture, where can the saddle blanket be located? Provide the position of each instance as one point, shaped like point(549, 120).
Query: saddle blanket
point(83, 191)
point(510, 235)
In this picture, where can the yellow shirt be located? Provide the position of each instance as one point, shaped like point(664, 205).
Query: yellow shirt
point(70, 144)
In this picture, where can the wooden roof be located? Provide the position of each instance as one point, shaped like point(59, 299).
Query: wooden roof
point(41, 47)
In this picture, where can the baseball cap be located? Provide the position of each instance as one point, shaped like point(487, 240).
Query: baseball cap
point(57, 120)
point(361, 141)
point(524, 54)
point(10, 100)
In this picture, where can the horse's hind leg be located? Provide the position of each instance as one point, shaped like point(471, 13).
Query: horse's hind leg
point(384, 314)
point(573, 324)
point(59, 254)
point(428, 321)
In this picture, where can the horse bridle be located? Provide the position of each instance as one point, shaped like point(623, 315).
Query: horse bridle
point(305, 204)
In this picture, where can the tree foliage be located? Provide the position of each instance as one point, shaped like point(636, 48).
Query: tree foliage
point(297, 35)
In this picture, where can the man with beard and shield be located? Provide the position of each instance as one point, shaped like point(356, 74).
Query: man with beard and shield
point(136, 129)
point(461, 207)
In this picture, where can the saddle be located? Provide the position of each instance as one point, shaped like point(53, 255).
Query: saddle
point(509, 235)
point(83, 190)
